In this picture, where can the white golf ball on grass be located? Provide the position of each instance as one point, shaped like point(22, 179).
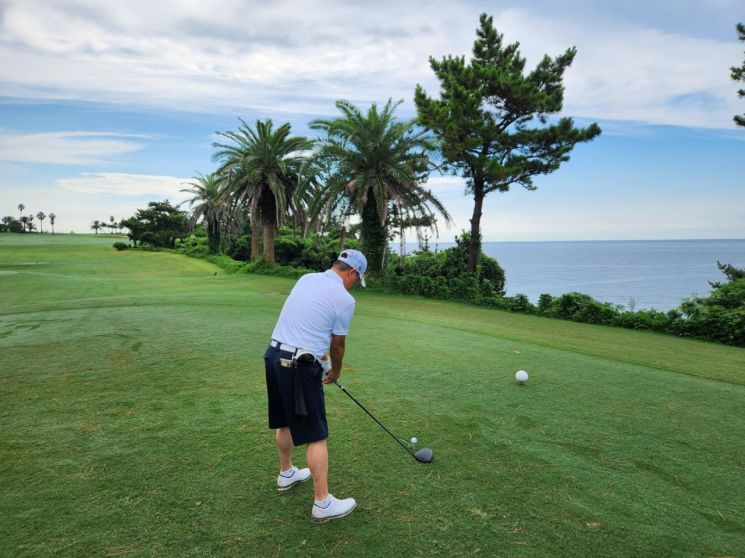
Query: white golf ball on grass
point(521, 376)
point(413, 441)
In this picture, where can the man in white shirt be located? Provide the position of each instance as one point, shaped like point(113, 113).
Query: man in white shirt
point(315, 316)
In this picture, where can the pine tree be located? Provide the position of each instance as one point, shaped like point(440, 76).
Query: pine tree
point(738, 74)
point(492, 119)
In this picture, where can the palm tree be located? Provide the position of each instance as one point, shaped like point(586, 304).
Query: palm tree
point(309, 188)
point(30, 223)
point(21, 207)
point(213, 208)
point(41, 216)
point(52, 217)
point(377, 165)
point(261, 168)
point(24, 223)
point(96, 225)
point(112, 225)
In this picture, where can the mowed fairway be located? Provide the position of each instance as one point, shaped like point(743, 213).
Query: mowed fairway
point(132, 422)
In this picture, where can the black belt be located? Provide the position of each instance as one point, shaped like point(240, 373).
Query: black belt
point(282, 347)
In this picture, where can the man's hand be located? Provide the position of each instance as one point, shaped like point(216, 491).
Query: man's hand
point(331, 377)
point(338, 344)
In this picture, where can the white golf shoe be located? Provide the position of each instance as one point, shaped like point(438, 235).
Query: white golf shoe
point(294, 476)
point(334, 510)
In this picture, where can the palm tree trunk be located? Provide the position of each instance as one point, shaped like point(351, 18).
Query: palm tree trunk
point(255, 229)
point(402, 245)
point(342, 238)
point(213, 235)
point(269, 231)
point(374, 236)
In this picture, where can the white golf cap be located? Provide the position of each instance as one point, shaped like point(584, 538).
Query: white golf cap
point(356, 260)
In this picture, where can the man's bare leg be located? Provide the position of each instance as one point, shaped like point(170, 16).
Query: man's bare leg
point(318, 460)
point(284, 446)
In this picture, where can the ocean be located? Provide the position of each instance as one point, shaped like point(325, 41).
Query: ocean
point(638, 274)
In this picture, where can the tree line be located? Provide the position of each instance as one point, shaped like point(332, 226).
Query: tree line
point(25, 223)
point(112, 225)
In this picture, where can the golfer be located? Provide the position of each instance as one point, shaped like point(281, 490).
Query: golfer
point(314, 318)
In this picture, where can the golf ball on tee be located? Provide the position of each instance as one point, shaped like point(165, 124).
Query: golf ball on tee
point(521, 376)
point(413, 441)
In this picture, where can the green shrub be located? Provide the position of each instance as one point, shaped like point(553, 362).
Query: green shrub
point(719, 317)
point(544, 303)
point(443, 274)
point(496, 302)
point(651, 319)
point(225, 262)
point(121, 246)
point(241, 248)
point(263, 267)
point(441, 288)
point(316, 253)
point(521, 303)
point(487, 289)
point(197, 246)
point(491, 271)
point(729, 295)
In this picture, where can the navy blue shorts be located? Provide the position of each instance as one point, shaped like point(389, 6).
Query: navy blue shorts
point(280, 388)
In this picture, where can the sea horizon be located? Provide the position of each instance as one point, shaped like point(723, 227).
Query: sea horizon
point(634, 274)
point(408, 242)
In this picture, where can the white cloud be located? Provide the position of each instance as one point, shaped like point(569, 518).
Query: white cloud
point(126, 185)
point(548, 214)
point(67, 148)
point(301, 56)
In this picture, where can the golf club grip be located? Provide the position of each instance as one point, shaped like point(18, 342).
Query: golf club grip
point(361, 406)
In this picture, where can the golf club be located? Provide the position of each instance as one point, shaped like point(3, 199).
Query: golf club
point(424, 455)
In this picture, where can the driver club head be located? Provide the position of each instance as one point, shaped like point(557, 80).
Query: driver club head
point(424, 455)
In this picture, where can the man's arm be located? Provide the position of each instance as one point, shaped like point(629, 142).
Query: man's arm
point(336, 350)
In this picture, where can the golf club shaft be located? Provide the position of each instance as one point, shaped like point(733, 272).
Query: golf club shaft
point(376, 420)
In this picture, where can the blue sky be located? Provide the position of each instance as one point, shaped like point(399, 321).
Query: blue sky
point(104, 107)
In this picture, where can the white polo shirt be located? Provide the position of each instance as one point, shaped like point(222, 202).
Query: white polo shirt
point(318, 306)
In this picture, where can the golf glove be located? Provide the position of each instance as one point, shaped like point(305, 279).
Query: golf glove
point(326, 365)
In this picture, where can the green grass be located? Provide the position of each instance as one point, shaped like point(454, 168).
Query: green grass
point(132, 422)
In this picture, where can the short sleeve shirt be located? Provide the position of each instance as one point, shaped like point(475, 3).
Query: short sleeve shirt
point(318, 306)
